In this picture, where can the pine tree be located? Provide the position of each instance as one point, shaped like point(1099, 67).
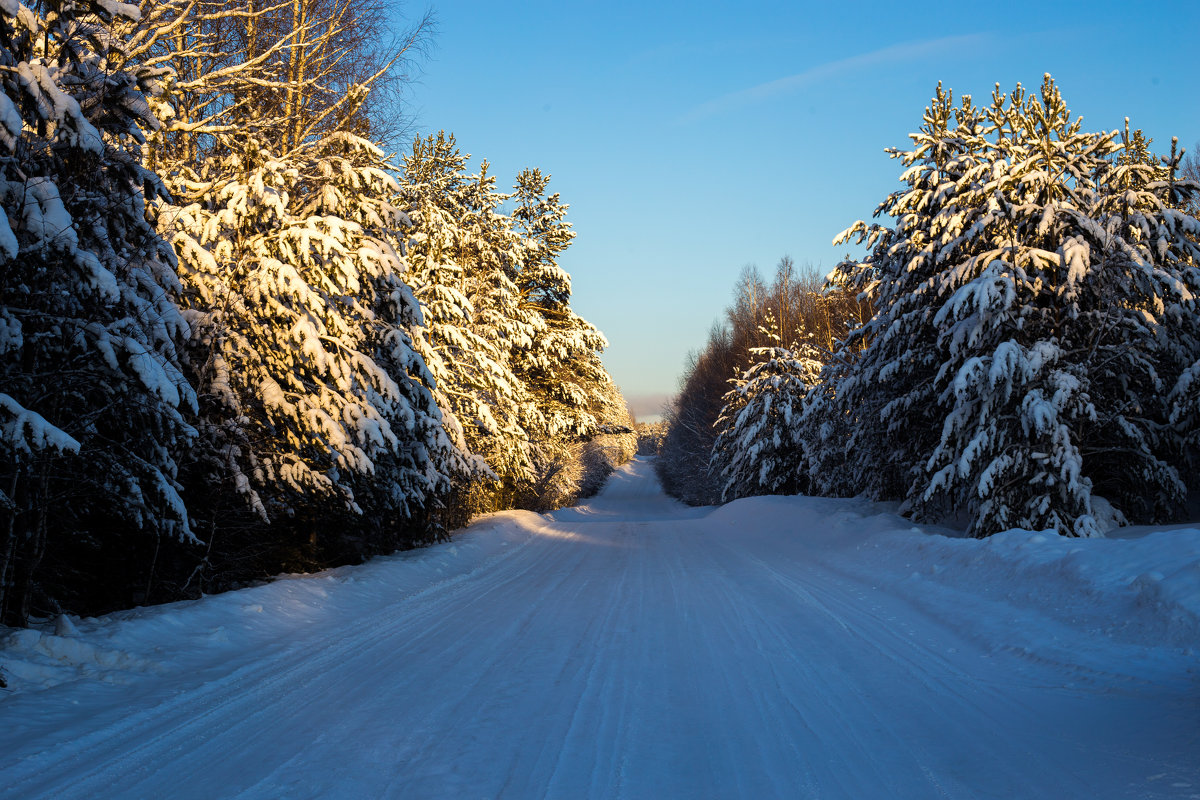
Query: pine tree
point(1049, 291)
point(315, 401)
point(1059, 344)
point(462, 255)
point(91, 413)
point(760, 439)
point(561, 367)
point(873, 416)
point(308, 331)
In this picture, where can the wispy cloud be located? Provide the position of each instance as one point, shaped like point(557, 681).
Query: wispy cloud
point(693, 51)
point(909, 51)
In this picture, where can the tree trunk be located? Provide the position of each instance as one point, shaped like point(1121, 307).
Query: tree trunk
point(153, 565)
point(8, 554)
point(35, 549)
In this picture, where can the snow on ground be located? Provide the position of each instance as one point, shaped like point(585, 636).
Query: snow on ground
point(633, 647)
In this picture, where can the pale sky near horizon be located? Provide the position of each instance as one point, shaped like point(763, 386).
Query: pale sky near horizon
point(691, 139)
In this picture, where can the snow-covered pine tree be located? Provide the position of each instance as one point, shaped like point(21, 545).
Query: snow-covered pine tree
point(1182, 341)
point(307, 328)
point(492, 252)
point(760, 444)
point(873, 418)
point(1059, 344)
point(1056, 282)
point(1136, 151)
point(91, 390)
point(561, 367)
point(355, 183)
point(285, 221)
point(462, 255)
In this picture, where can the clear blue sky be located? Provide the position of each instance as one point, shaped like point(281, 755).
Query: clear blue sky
point(692, 138)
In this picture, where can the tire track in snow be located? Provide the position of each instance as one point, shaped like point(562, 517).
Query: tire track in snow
point(254, 690)
point(614, 654)
point(943, 686)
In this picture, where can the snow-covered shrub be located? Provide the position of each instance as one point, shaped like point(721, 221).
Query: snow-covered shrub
point(601, 457)
point(575, 467)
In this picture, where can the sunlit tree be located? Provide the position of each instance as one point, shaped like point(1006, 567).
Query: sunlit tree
point(1033, 293)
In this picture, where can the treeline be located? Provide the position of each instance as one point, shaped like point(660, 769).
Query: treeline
point(1032, 351)
point(790, 310)
point(235, 337)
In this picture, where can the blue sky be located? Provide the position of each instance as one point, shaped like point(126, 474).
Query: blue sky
point(691, 139)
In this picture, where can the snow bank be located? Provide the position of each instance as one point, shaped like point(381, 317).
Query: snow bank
point(1141, 590)
point(122, 647)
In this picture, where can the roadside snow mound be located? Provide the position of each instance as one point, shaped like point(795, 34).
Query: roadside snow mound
point(120, 647)
point(37, 659)
point(1142, 589)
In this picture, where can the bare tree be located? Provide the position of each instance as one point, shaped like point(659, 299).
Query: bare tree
point(274, 75)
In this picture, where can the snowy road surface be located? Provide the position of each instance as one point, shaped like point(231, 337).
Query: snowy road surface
point(775, 647)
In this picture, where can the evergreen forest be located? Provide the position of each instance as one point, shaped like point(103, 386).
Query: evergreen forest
point(250, 324)
point(1019, 347)
point(245, 328)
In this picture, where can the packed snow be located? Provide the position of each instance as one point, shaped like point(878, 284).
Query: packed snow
point(634, 647)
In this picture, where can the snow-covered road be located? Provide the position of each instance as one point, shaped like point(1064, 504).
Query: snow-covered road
point(776, 647)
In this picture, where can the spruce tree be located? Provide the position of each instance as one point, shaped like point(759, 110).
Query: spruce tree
point(307, 332)
point(1059, 343)
point(462, 256)
point(873, 417)
point(93, 397)
point(1054, 291)
point(760, 439)
point(561, 366)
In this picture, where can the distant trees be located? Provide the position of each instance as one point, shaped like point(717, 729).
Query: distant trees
point(234, 337)
point(650, 437)
point(759, 448)
point(793, 309)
